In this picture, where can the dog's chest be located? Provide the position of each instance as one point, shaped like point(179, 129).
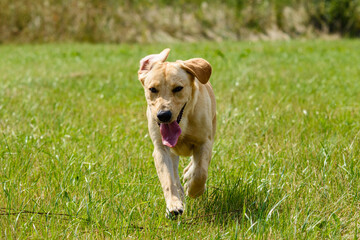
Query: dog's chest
point(183, 148)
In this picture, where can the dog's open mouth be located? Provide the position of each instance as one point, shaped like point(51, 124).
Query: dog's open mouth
point(170, 132)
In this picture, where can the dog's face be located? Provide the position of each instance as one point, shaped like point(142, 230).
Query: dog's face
point(169, 86)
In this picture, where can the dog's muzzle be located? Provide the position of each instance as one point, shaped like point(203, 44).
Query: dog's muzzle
point(165, 116)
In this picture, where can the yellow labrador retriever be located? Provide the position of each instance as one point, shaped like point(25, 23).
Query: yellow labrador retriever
point(181, 117)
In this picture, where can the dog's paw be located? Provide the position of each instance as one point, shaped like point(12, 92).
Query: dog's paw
point(174, 210)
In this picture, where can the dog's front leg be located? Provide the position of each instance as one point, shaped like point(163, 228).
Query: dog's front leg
point(175, 160)
point(196, 173)
point(166, 163)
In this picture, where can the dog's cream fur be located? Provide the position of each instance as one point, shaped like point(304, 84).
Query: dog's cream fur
point(198, 122)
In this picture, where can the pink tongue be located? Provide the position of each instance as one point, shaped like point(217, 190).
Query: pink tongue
point(170, 133)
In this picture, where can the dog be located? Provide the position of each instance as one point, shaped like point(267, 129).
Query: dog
point(181, 114)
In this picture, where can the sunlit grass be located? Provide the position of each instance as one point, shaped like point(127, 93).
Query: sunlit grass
point(76, 161)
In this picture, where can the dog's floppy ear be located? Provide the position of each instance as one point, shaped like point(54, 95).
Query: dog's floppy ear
point(147, 62)
point(198, 67)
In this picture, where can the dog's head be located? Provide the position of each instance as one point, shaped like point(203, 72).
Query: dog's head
point(169, 87)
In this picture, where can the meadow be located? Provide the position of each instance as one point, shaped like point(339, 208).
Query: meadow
point(75, 155)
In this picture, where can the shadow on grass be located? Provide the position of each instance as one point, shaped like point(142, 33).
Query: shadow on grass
point(229, 203)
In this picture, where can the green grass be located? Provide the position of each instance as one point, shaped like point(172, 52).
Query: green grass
point(75, 156)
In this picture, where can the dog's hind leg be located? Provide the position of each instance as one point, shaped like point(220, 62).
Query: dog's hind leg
point(188, 166)
point(197, 171)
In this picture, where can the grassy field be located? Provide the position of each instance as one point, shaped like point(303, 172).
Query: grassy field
point(75, 155)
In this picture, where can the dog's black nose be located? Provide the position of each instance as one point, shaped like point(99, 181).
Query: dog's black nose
point(164, 116)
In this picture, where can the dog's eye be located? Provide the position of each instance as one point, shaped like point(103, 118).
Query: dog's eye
point(153, 90)
point(177, 89)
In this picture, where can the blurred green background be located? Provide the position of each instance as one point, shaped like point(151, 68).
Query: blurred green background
point(111, 21)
